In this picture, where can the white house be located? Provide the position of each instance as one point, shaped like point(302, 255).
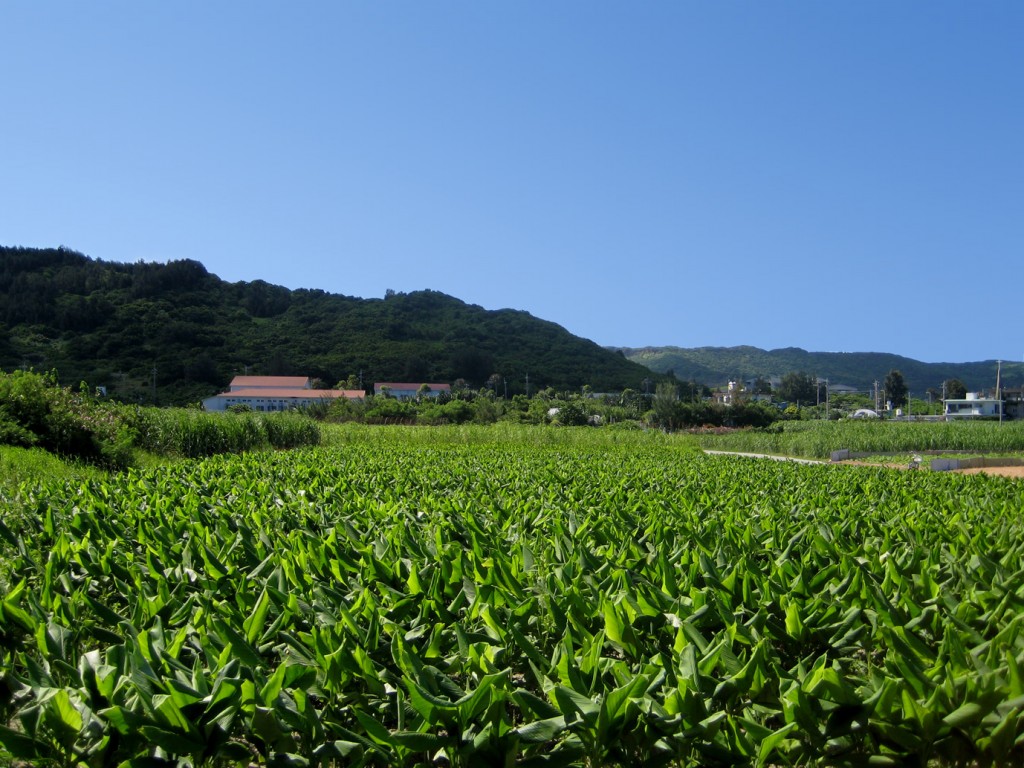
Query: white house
point(275, 393)
point(974, 406)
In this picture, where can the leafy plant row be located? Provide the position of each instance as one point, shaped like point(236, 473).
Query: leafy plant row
point(405, 604)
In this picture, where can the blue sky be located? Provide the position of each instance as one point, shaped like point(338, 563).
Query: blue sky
point(826, 175)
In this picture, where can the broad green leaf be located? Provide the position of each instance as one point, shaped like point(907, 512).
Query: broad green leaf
point(769, 744)
point(21, 745)
point(541, 731)
point(174, 742)
point(418, 742)
point(254, 625)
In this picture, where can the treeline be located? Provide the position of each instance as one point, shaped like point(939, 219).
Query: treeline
point(173, 334)
point(629, 410)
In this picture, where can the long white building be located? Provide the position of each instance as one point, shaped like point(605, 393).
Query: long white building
point(275, 393)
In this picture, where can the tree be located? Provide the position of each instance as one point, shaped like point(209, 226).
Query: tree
point(664, 405)
point(954, 389)
point(416, 368)
point(692, 391)
point(798, 387)
point(352, 382)
point(895, 389)
point(571, 413)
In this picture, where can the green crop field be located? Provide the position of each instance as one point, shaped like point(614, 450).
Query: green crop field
point(445, 599)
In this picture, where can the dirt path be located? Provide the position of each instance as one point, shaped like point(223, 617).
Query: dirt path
point(1001, 471)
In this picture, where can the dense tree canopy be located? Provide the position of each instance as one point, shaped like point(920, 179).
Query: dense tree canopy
point(128, 327)
point(798, 387)
point(895, 389)
point(954, 389)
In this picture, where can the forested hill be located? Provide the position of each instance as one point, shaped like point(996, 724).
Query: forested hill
point(112, 324)
point(716, 365)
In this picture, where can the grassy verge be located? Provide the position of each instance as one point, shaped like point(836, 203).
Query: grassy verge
point(29, 465)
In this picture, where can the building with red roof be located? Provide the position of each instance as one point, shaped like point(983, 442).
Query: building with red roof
point(275, 393)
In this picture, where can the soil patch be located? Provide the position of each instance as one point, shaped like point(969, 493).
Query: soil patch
point(1001, 471)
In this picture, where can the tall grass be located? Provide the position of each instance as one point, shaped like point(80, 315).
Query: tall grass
point(193, 434)
point(819, 439)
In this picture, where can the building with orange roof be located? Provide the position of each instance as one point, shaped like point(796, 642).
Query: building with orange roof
point(270, 382)
point(275, 393)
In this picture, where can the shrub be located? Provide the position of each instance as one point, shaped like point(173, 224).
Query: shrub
point(343, 409)
point(452, 412)
point(36, 410)
point(286, 430)
point(571, 414)
point(387, 410)
point(13, 433)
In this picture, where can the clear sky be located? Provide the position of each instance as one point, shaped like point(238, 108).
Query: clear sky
point(837, 176)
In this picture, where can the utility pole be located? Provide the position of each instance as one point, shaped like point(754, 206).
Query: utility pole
point(527, 386)
point(999, 401)
point(876, 396)
point(154, 385)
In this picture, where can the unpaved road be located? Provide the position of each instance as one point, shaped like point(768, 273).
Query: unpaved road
point(1001, 471)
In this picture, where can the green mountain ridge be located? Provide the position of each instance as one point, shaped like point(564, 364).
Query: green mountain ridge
point(174, 333)
point(719, 365)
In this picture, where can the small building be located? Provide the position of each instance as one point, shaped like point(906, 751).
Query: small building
point(736, 392)
point(974, 406)
point(408, 391)
point(275, 393)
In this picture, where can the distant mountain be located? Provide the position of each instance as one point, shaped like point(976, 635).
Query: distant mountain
point(718, 365)
point(180, 332)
